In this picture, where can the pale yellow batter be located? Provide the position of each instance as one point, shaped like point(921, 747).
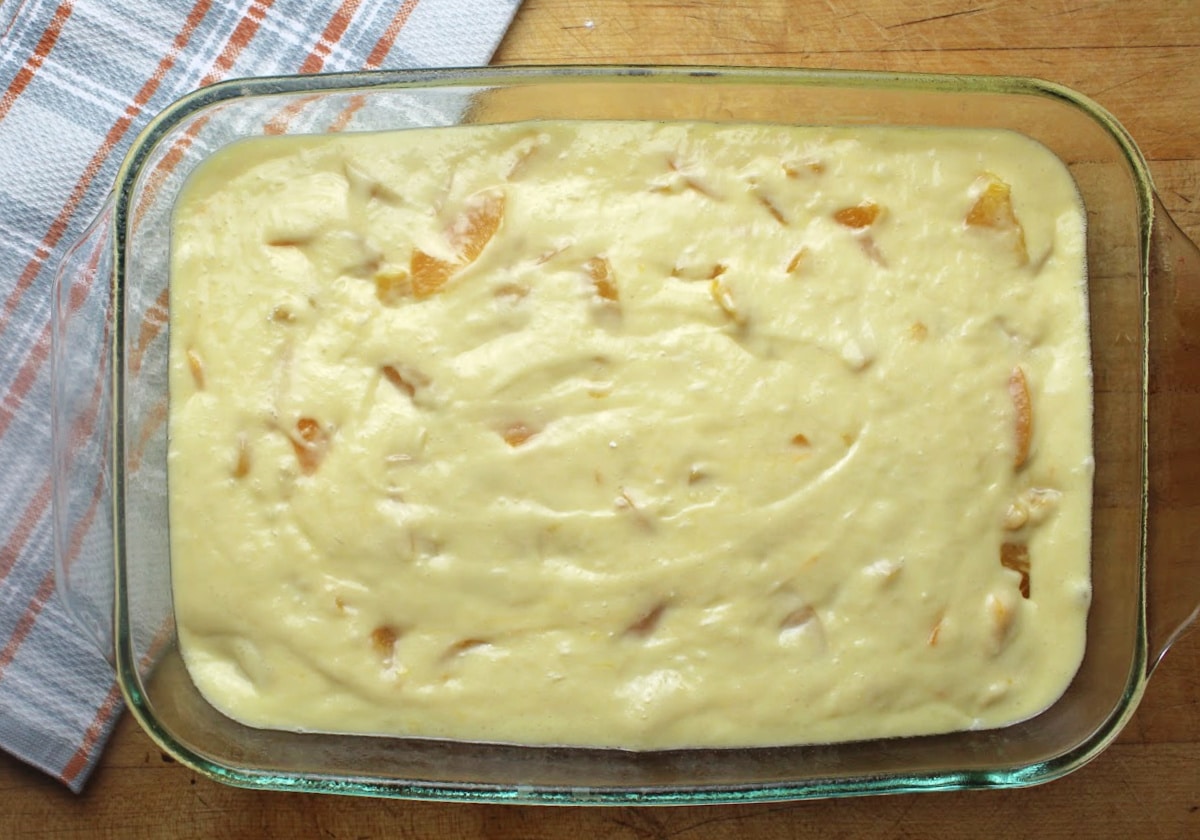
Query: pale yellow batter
point(631, 434)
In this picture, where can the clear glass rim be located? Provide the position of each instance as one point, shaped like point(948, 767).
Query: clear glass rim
point(191, 104)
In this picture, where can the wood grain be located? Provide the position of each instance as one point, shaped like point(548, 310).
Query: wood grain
point(1142, 62)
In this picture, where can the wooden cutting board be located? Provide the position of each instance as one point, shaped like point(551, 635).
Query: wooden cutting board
point(1139, 60)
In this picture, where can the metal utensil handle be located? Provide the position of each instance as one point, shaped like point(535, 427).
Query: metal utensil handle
point(81, 420)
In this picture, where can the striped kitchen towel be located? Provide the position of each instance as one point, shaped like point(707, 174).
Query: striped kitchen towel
point(80, 78)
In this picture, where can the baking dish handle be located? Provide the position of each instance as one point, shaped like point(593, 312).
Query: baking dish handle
point(81, 421)
point(1173, 535)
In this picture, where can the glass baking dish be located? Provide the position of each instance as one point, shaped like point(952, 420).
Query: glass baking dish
point(110, 393)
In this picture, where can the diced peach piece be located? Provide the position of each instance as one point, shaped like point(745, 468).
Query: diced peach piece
point(511, 291)
point(698, 272)
point(470, 234)
point(1002, 613)
point(368, 266)
point(803, 622)
point(311, 444)
point(522, 151)
point(394, 376)
point(519, 164)
point(406, 381)
point(382, 192)
point(772, 208)
point(646, 624)
point(550, 254)
point(429, 273)
point(1015, 556)
point(196, 366)
point(935, 633)
point(241, 467)
point(687, 182)
point(696, 186)
point(289, 241)
point(1040, 502)
point(626, 504)
point(392, 287)
point(1015, 517)
point(994, 209)
point(478, 224)
point(812, 167)
point(871, 249)
point(600, 270)
point(516, 434)
point(383, 639)
point(798, 617)
point(1018, 390)
point(797, 260)
point(463, 646)
point(723, 298)
point(859, 216)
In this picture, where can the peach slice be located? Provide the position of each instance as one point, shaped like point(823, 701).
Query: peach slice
point(1015, 556)
point(1015, 517)
point(196, 367)
point(682, 182)
point(994, 209)
point(772, 208)
point(463, 646)
point(812, 167)
point(407, 381)
point(723, 298)
point(392, 287)
point(241, 467)
point(516, 434)
point(858, 217)
point(477, 225)
point(797, 260)
point(286, 241)
point(871, 248)
point(646, 624)
point(429, 273)
point(1002, 612)
point(936, 632)
point(1018, 390)
point(522, 151)
point(383, 639)
point(698, 272)
point(600, 270)
point(798, 618)
point(311, 444)
point(510, 292)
